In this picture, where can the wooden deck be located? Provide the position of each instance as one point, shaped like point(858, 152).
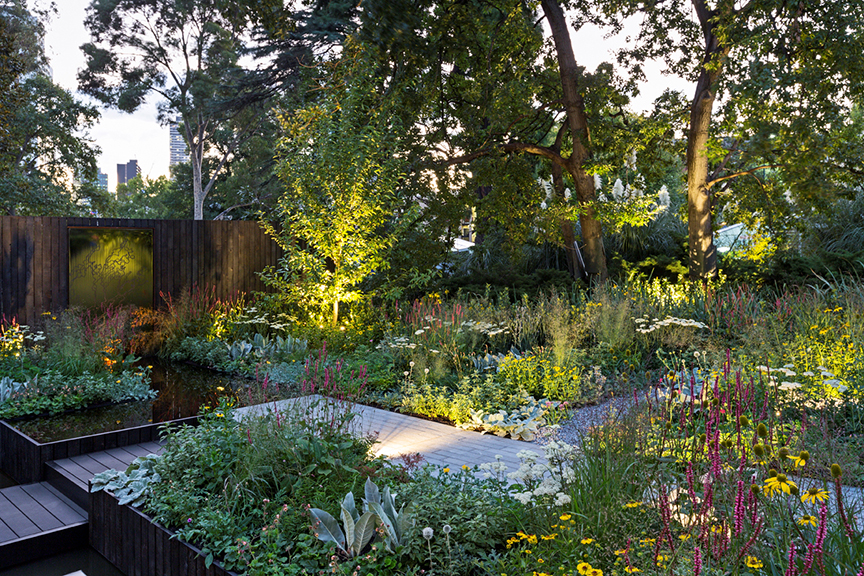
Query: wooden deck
point(52, 515)
point(35, 518)
point(80, 469)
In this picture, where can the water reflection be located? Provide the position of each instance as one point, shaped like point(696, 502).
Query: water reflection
point(86, 560)
point(183, 389)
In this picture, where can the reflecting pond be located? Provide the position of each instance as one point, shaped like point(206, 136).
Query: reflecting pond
point(86, 560)
point(183, 389)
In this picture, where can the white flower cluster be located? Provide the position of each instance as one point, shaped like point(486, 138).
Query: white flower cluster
point(788, 386)
point(644, 326)
point(396, 342)
point(545, 482)
point(486, 328)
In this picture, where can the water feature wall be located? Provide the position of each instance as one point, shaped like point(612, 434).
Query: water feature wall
point(35, 267)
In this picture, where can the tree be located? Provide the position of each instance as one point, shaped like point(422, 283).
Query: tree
point(147, 198)
point(489, 86)
point(340, 164)
point(44, 148)
point(783, 75)
point(186, 52)
point(11, 67)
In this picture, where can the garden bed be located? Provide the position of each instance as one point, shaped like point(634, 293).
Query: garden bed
point(132, 542)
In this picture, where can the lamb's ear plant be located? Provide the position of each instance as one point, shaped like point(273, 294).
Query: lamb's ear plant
point(359, 529)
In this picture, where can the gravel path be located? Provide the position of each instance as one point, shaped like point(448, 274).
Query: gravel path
point(583, 419)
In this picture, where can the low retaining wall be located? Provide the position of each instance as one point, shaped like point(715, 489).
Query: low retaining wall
point(136, 545)
point(23, 458)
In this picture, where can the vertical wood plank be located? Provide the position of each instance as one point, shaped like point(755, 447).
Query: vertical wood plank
point(63, 265)
point(6, 271)
point(36, 278)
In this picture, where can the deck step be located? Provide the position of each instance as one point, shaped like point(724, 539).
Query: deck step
point(35, 518)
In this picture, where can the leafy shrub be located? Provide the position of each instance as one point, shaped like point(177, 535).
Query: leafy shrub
point(478, 511)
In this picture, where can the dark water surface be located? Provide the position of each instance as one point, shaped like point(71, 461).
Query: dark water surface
point(183, 389)
point(86, 559)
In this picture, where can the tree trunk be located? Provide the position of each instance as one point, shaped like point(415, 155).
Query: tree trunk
point(592, 233)
point(702, 254)
point(574, 266)
point(196, 158)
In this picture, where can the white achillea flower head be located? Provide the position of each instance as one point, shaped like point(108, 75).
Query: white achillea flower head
point(598, 182)
point(428, 533)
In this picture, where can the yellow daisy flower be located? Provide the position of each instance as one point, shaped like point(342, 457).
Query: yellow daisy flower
point(814, 494)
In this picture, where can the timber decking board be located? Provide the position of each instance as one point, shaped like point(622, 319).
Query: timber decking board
point(32, 508)
point(16, 520)
point(109, 461)
point(6, 533)
point(78, 475)
point(81, 469)
point(59, 506)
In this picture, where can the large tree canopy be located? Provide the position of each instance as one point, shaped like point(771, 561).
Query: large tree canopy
point(773, 83)
point(47, 162)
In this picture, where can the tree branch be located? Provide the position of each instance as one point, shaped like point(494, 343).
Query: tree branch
point(750, 172)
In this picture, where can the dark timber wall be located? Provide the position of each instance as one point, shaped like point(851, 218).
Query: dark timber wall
point(34, 259)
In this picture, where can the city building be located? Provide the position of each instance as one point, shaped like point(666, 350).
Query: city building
point(179, 150)
point(102, 180)
point(126, 172)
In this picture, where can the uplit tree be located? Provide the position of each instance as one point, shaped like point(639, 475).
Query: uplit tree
point(340, 164)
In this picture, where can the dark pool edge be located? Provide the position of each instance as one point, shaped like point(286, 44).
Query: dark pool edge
point(23, 459)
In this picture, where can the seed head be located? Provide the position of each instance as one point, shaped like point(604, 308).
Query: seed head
point(804, 455)
point(836, 471)
point(761, 430)
point(428, 533)
point(446, 529)
point(744, 421)
point(783, 452)
point(759, 450)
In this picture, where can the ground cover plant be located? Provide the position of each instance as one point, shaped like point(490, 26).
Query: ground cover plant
point(745, 419)
point(79, 358)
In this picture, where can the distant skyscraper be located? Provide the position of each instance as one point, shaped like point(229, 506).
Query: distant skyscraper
point(102, 180)
point(179, 151)
point(126, 172)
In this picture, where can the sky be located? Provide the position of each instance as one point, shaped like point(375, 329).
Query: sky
point(123, 137)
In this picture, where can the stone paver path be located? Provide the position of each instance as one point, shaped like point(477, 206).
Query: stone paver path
point(398, 434)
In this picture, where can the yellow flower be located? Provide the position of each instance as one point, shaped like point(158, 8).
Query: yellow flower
point(464, 467)
point(798, 460)
point(631, 569)
point(587, 540)
point(632, 504)
point(683, 537)
point(814, 494)
point(778, 483)
point(807, 519)
point(549, 537)
point(446, 470)
point(565, 517)
point(753, 562)
point(596, 572)
point(583, 568)
point(220, 388)
point(620, 552)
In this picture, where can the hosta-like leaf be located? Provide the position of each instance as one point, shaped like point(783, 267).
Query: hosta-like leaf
point(392, 539)
point(372, 494)
point(348, 523)
point(348, 504)
point(364, 530)
point(326, 528)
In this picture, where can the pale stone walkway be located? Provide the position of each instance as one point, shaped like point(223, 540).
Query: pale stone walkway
point(398, 434)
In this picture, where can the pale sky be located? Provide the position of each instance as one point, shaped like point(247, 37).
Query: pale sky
point(123, 137)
